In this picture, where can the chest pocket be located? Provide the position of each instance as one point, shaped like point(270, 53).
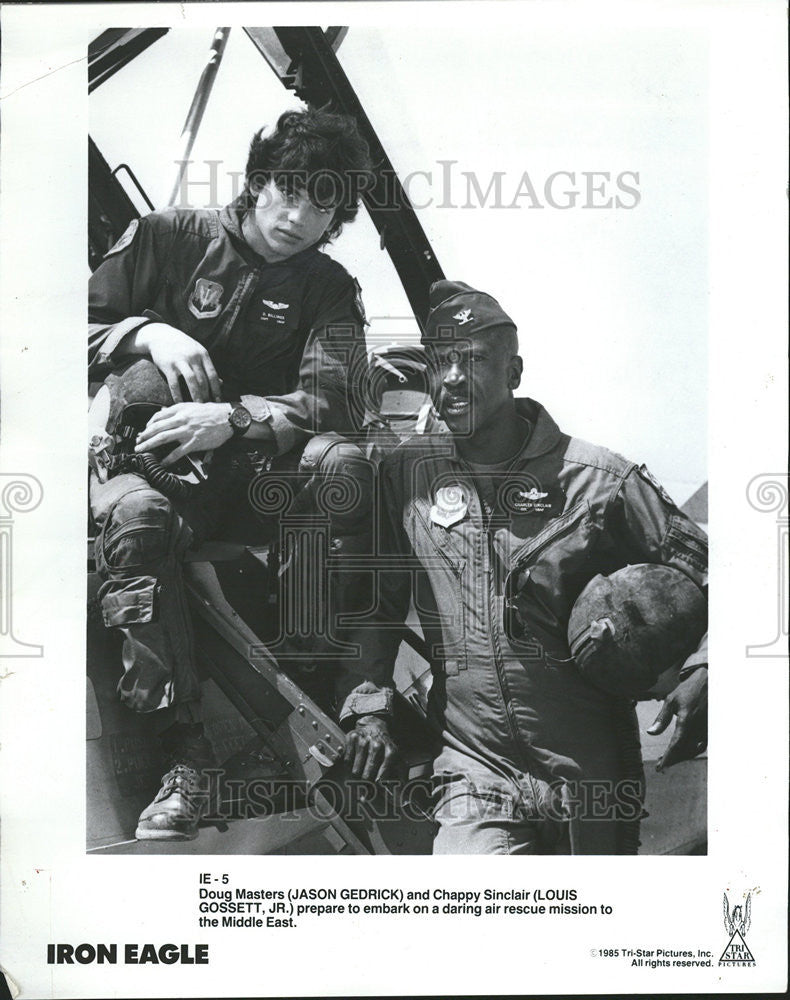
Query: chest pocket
point(546, 575)
point(273, 318)
point(269, 347)
point(439, 590)
point(264, 348)
point(434, 544)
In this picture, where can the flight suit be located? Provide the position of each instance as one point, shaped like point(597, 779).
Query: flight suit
point(538, 750)
point(287, 340)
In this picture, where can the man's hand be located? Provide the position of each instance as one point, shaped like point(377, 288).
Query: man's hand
point(175, 353)
point(370, 751)
point(689, 702)
point(190, 426)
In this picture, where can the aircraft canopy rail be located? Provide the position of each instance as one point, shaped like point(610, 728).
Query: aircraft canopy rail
point(305, 61)
point(113, 49)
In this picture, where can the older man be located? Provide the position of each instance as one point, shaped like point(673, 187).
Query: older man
point(534, 758)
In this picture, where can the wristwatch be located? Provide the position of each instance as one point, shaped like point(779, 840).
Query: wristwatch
point(239, 419)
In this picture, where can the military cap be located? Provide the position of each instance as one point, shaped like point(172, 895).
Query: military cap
point(454, 305)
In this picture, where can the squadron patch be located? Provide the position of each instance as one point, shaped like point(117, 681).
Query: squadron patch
point(648, 476)
point(126, 239)
point(205, 302)
point(450, 506)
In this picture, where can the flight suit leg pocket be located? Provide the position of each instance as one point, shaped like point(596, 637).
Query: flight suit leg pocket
point(129, 602)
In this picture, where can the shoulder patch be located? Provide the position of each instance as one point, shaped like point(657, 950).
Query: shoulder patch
point(125, 240)
point(648, 477)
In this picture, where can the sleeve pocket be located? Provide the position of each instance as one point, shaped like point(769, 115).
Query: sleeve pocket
point(129, 602)
point(688, 542)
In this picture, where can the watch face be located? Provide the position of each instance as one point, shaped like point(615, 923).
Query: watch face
point(240, 418)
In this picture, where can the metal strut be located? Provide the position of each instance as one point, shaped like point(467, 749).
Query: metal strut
point(198, 107)
point(114, 48)
point(304, 60)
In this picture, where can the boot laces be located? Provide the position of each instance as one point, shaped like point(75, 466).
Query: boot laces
point(183, 780)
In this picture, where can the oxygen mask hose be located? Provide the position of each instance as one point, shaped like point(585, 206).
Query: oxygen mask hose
point(169, 485)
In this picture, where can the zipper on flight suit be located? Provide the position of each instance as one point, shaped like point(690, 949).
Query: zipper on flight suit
point(240, 296)
point(567, 521)
point(526, 553)
point(490, 553)
point(457, 572)
point(497, 649)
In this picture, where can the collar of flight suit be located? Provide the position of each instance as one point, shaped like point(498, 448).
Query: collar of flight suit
point(544, 434)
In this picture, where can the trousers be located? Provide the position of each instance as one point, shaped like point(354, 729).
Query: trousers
point(143, 537)
point(477, 811)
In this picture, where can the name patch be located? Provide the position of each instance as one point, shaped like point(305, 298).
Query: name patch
point(274, 312)
point(533, 500)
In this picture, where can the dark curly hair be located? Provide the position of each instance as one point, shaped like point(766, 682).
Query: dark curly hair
point(317, 152)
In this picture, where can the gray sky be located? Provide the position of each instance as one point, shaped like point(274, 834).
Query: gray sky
point(611, 302)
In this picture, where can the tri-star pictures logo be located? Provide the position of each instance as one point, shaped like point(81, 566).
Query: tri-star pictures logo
point(736, 924)
point(464, 316)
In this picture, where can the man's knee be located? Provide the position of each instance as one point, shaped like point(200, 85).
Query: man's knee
point(141, 529)
point(332, 454)
point(344, 480)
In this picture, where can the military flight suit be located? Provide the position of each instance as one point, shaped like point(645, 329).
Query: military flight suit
point(523, 734)
point(287, 340)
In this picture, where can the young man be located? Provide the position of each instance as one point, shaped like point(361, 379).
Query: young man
point(534, 758)
point(259, 336)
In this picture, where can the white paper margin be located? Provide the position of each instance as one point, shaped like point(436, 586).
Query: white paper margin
point(52, 892)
